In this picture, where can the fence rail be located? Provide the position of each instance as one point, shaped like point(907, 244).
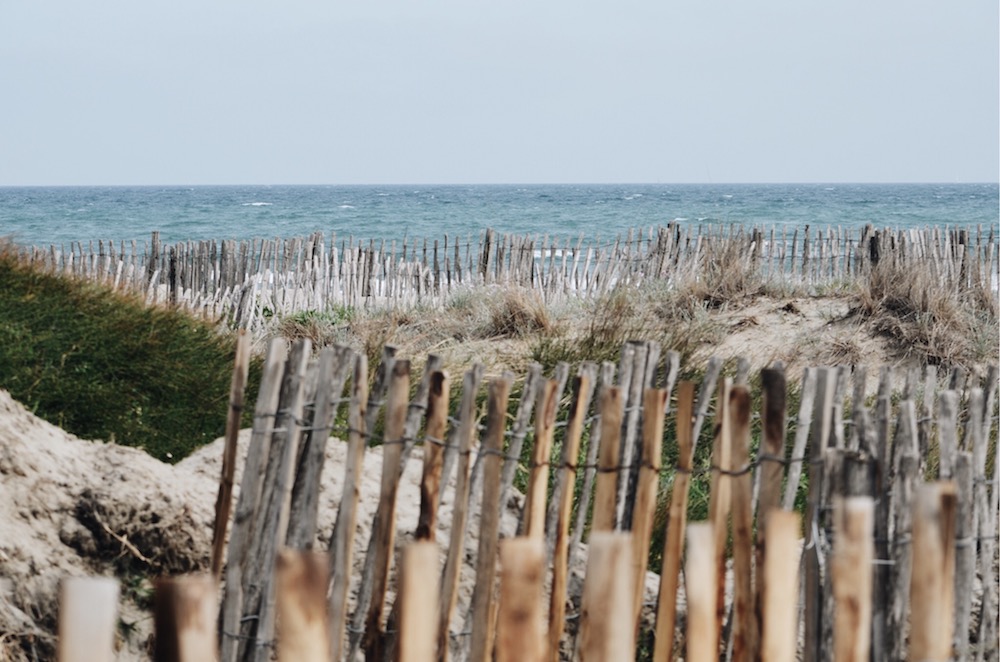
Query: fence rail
point(245, 282)
point(900, 516)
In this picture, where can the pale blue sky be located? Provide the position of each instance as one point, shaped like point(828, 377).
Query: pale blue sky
point(253, 92)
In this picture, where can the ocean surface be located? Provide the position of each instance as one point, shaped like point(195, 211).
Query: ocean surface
point(59, 215)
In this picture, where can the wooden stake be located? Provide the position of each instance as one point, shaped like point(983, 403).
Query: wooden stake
point(571, 450)
point(701, 591)
point(224, 502)
point(184, 613)
point(302, 620)
point(456, 545)
point(965, 553)
point(538, 479)
point(384, 526)
point(653, 411)
point(430, 482)
point(779, 624)
point(611, 423)
point(744, 621)
point(342, 544)
point(932, 581)
point(607, 633)
point(483, 593)
point(88, 612)
point(251, 487)
point(666, 610)
point(720, 496)
point(418, 594)
point(520, 633)
point(852, 578)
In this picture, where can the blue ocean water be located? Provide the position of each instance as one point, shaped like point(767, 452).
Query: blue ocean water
point(58, 215)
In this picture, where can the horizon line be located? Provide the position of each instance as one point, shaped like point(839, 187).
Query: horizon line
point(521, 184)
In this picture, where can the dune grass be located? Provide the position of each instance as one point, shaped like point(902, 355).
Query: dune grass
point(103, 365)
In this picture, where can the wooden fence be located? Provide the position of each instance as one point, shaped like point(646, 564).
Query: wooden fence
point(247, 282)
point(895, 551)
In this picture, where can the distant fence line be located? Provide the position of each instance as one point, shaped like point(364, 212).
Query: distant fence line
point(245, 282)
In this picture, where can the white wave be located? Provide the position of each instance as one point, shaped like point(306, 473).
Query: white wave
point(346, 207)
point(257, 204)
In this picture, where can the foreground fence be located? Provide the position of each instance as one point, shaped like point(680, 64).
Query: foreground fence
point(247, 282)
point(895, 552)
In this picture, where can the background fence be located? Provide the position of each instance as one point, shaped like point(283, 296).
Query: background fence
point(246, 282)
point(894, 552)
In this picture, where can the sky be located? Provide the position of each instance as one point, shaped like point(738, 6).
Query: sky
point(450, 91)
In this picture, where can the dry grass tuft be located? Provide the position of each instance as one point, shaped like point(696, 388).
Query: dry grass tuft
point(942, 324)
point(516, 313)
point(726, 276)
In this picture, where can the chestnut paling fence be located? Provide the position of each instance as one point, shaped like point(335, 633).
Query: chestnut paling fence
point(894, 550)
point(246, 282)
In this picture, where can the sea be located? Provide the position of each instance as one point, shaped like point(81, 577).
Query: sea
point(44, 216)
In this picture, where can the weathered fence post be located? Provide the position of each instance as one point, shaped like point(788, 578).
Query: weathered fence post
point(607, 632)
point(88, 609)
point(184, 613)
point(852, 578)
point(701, 591)
point(780, 610)
point(418, 597)
point(302, 622)
point(482, 609)
point(520, 629)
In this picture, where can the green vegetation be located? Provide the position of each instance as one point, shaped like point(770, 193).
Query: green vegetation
point(103, 365)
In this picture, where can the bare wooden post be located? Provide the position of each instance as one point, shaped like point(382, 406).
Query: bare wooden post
point(538, 479)
point(812, 576)
point(430, 482)
point(250, 494)
point(604, 497)
point(571, 450)
point(802, 427)
point(852, 578)
point(271, 525)
point(331, 374)
point(520, 630)
point(666, 610)
point(453, 563)
point(770, 472)
point(903, 486)
point(779, 623)
point(88, 611)
point(932, 581)
point(986, 507)
point(720, 497)
point(607, 373)
point(881, 450)
point(947, 434)
point(342, 544)
point(653, 408)
point(184, 612)
point(302, 621)
point(529, 396)
point(700, 582)
point(224, 502)
point(607, 633)
point(384, 526)
point(744, 621)
point(965, 553)
point(483, 593)
point(418, 597)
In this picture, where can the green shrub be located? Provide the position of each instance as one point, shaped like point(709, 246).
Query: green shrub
point(102, 365)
